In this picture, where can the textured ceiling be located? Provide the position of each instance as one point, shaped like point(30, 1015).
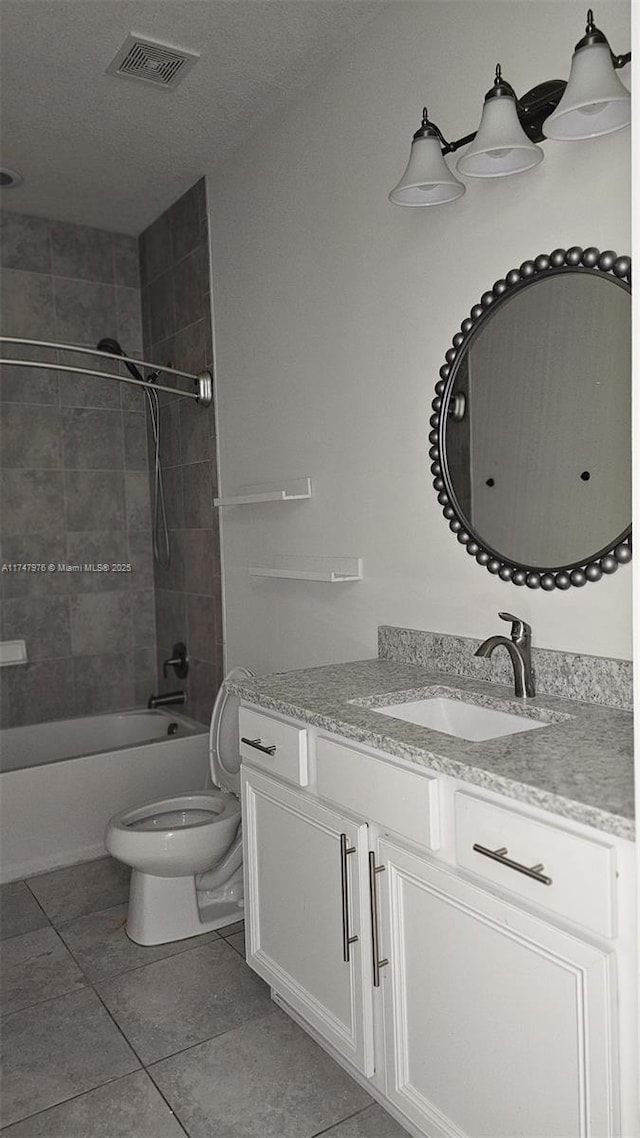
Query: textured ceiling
point(112, 152)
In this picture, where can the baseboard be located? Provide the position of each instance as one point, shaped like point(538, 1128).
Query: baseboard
point(20, 870)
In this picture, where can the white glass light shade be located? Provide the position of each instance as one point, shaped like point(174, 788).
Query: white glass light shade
point(427, 179)
point(594, 102)
point(500, 147)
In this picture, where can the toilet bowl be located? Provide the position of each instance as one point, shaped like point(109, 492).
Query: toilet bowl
point(185, 852)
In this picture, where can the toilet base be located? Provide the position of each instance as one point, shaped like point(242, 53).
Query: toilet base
point(163, 909)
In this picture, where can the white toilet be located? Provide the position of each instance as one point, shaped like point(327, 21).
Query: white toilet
point(186, 851)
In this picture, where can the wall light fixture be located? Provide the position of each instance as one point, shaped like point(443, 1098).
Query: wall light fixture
point(592, 102)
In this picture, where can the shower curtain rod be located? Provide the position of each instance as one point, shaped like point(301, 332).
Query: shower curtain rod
point(204, 382)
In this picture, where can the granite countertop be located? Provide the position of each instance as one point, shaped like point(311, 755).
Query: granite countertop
point(580, 766)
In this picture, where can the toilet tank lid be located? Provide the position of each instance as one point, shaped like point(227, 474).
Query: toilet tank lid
point(224, 739)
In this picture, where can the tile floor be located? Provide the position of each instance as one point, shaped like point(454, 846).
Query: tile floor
point(102, 1038)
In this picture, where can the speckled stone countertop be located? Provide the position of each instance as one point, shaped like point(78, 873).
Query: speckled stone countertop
point(580, 766)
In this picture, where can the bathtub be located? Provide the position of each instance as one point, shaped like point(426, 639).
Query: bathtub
point(61, 782)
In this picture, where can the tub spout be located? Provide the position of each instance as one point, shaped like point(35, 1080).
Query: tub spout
point(167, 699)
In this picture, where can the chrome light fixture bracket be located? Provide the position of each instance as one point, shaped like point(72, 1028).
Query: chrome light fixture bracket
point(536, 106)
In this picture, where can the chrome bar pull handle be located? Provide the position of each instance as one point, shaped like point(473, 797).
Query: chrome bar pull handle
point(533, 871)
point(345, 850)
point(260, 746)
point(375, 936)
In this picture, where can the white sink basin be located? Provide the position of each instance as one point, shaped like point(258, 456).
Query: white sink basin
point(463, 720)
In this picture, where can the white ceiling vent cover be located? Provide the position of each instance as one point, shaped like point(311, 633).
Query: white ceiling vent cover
point(152, 62)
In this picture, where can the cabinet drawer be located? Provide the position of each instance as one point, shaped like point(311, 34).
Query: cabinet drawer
point(574, 875)
point(404, 801)
point(278, 747)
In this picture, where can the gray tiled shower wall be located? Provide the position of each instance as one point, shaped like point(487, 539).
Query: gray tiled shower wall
point(74, 472)
point(176, 309)
point(74, 479)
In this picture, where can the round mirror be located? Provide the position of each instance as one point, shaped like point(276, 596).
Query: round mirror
point(531, 431)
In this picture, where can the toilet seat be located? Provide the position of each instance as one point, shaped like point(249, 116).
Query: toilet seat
point(224, 735)
point(186, 834)
point(187, 812)
point(182, 812)
point(171, 819)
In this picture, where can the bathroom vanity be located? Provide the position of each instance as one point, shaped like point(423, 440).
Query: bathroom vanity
point(452, 920)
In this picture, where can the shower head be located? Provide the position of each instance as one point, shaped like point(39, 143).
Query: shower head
point(115, 349)
point(111, 346)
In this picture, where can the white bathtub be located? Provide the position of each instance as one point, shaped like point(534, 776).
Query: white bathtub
point(61, 782)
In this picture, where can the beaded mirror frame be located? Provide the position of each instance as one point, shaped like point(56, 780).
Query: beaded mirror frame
point(590, 568)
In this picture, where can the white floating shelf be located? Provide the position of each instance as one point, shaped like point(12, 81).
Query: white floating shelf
point(291, 490)
point(331, 569)
point(12, 652)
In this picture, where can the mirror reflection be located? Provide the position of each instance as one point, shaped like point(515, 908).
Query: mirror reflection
point(537, 444)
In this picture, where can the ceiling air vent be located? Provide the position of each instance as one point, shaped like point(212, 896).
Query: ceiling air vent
point(152, 62)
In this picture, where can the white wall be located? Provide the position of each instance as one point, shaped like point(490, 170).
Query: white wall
point(333, 311)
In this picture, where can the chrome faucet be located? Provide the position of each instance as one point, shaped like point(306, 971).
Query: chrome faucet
point(519, 649)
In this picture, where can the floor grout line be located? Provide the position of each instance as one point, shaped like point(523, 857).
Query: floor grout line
point(89, 985)
point(347, 1117)
point(164, 1098)
point(47, 1000)
point(72, 1098)
point(25, 882)
point(191, 1046)
point(115, 1022)
point(93, 913)
point(136, 967)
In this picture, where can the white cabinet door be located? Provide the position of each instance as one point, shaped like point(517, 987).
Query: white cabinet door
point(306, 895)
point(497, 1025)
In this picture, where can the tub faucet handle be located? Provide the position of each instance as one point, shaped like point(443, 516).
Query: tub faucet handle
point(179, 661)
